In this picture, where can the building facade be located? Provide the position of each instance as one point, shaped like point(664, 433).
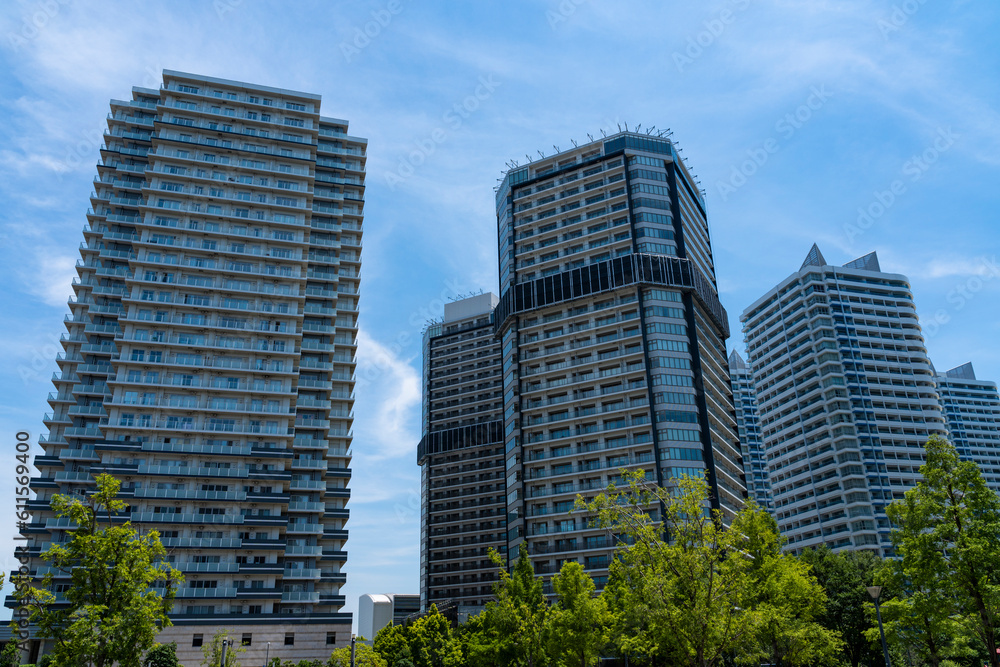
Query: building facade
point(612, 341)
point(210, 355)
point(748, 426)
point(972, 414)
point(846, 398)
point(461, 458)
point(377, 611)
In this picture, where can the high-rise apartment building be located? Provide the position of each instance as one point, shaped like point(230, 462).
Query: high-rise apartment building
point(972, 414)
point(461, 456)
point(748, 426)
point(612, 340)
point(846, 397)
point(210, 355)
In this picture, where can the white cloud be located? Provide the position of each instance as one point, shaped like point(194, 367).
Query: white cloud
point(937, 268)
point(51, 277)
point(387, 417)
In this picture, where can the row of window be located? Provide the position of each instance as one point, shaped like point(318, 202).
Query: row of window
point(251, 99)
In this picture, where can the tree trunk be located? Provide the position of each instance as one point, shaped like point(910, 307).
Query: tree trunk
point(932, 648)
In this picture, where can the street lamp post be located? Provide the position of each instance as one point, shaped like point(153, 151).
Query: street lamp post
point(267, 654)
point(226, 643)
point(876, 592)
point(353, 639)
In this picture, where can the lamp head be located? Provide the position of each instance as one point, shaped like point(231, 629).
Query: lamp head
point(875, 592)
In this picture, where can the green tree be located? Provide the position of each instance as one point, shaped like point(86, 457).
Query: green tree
point(476, 640)
point(426, 642)
point(579, 622)
point(785, 597)
point(10, 656)
point(212, 651)
point(113, 610)
point(920, 624)
point(364, 656)
point(947, 536)
point(513, 624)
point(633, 631)
point(432, 643)
point(392, 644)
point(162, 655)
point(845, 577)
point(687, 597)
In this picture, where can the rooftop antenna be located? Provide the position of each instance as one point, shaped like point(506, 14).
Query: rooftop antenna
point(626, 126)
point(542, 154)
point(528, 157)
point(619, 127)
point(590, 136)
point(556, 148)
point(574, 143)
point(638, 126)
point(603, 133)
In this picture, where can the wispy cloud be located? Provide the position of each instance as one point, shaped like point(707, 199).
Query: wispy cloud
point(388, 412)
point(51, 278)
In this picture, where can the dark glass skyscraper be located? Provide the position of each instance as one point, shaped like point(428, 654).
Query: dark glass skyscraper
point(461, 456)
point(612, 340)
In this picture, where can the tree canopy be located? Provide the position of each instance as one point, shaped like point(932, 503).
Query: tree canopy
point(844, 577)
point(947, 538)
point(690, 591)
point(120, 592)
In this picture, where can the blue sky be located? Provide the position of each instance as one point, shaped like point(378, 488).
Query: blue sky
point(794, 115)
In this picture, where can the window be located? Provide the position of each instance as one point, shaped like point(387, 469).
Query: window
point(247, 639)
point(196, 640)
point(331, 638)
point(289, 639)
